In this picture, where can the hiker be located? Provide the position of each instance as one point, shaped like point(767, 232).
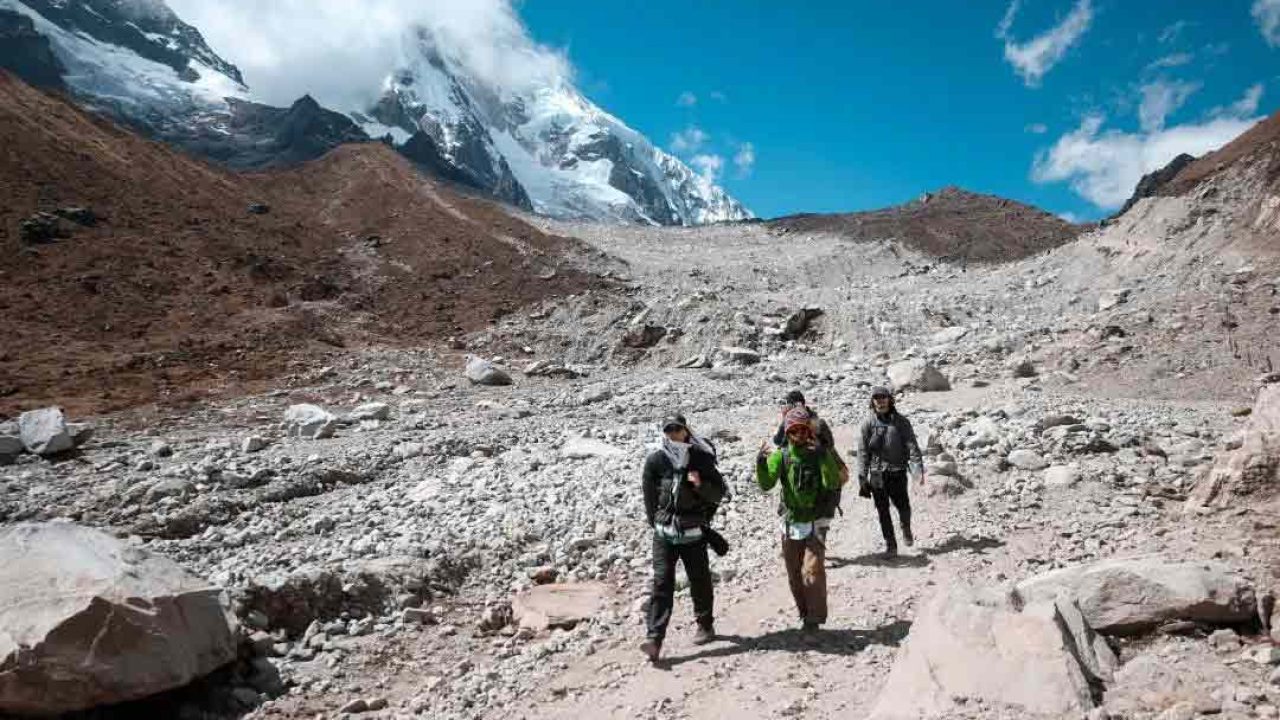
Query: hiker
point(805, 468)
point(886, 450)
point(829, 502)
point(682, 489)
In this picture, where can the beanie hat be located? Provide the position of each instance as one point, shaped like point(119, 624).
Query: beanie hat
point(881, 390)
point(796, 416)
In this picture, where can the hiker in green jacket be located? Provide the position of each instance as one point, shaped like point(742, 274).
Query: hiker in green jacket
point(806, 470)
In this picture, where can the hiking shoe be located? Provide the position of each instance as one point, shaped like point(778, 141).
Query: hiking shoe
point(704, 635)
point(890, 553)
point(907, 537)
point(651, 649)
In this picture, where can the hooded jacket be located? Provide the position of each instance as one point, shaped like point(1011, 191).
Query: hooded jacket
point(888, 442)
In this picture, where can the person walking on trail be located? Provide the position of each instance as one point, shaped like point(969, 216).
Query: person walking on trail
point(887, 449)
point(829, 500)
point(682, 489)
point(804, 468)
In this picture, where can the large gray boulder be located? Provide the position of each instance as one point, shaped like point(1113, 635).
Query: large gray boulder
point(309, 421)
point(1253, 470)
point(88, 620)
point(482, 372)
point(917, 374)
point(1130, 595)
point(968, 645)
point(44, 431)
point(739, 356)
point(10, 447)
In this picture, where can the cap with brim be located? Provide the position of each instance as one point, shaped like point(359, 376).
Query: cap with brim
point(881, 391)
point(675, 422)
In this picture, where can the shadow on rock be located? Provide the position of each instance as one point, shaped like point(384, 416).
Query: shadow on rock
point(835, 641)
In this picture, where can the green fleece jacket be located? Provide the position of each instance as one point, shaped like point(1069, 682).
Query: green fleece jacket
point(799, 504)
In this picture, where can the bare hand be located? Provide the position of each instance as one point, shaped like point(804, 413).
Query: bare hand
point(764, 448)
point(695, 479)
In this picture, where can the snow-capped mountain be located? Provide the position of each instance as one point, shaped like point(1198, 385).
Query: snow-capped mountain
point(537, 144)
point(570, 158)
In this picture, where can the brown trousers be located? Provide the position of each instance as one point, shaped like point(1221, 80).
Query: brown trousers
point(806, 562)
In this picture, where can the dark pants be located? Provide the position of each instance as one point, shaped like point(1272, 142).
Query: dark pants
point(894, 491)
point(697, 567)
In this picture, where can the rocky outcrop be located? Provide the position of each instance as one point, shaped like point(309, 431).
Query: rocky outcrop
point(975, 645)
point(87, 620)
point(1253, 470)
point(1153, 182)
point(27, 54)
point(1131, 595)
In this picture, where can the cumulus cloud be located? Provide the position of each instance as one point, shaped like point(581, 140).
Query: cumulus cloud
point(1266, 13)
point(1104, 166)
point(1160, 99)
point(1033, 59)
point(745, 159)
point(687, 99)
point(689, 140)
point(708, 166)
point(340, 52)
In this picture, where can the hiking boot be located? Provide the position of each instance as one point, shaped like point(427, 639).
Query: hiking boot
point(651, 649)
point(907, 537)
point(891, 552)
point(704, 635)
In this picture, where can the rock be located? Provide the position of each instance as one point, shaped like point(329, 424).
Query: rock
point(369, 411)
point(41, 228)
point(645, 336)
point(81, 433)
point(1090, 649)
point(418, 616)
point(1026, 460)
point(253, 444)
point(1113, 298)
point(258, 208)
point(544, 368)
point(160, 449)
point(10, 447)
point(354, 707)
point(697, 362)
point(1022, 368)
point(968, 646)
point(1224, 639)
point(544, 575)
point(943, 467)
point(1251, 471)
point(309, 421)
point(1128, 595)
point(1062, 476)
point(949, 335)
point(947, 485)
point(79, 215)
point(739, 356)
point(88, 620)
point(559, 605)
point(798, 322)
point(580, 448)
point(482, 372)
point(45, 432)
point(917, 374)
point(407, 451)
point(1052, 421)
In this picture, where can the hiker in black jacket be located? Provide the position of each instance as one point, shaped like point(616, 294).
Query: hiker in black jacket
point(887, 449)
point(682, 489)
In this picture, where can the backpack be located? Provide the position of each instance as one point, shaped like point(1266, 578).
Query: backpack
point(809, 478)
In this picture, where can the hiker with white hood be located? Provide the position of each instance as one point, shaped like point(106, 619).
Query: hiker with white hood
point(682, 489)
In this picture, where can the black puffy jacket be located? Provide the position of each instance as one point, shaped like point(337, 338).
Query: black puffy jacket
point(691, 506)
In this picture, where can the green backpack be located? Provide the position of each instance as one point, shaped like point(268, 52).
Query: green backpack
point(809, 480)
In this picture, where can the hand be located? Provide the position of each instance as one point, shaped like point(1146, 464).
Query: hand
point(763, 451)
point(695, 479)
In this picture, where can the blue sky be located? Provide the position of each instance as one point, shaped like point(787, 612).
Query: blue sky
point(836, 106)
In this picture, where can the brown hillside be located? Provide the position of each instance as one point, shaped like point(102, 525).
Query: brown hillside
point(1262, 141)
point(951, 223)
point(178, 287)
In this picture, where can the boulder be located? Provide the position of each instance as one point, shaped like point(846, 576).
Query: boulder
point(309, 421)
point(1252, 470)
point(1062, 476)
point(798, 322)
point(559, 605)
point(949, 335)
point(10, 447)
point(645, 336)
point(581, 448)
point(1021, 367)
point(87, 620)
point(967, 645)
point(1131, 595)
point(948, 485)
point(916, 374)
point(1026, 460)
point(482, 372)
point(369, 411)
point(739, 355)
point(45, 432)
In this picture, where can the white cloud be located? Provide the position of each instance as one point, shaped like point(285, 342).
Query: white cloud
point(708, 166)
point(1267, 14)
point(1171, 33)
point(688, 140)
point(1171, 61)
point(1037, 56)
point(1160, 99)
point(1071, 217)
point(1248, 104)
point(340, 51)
point(745, 159)
point(1104, 166)
point(1037, 128)
point(687, 99)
